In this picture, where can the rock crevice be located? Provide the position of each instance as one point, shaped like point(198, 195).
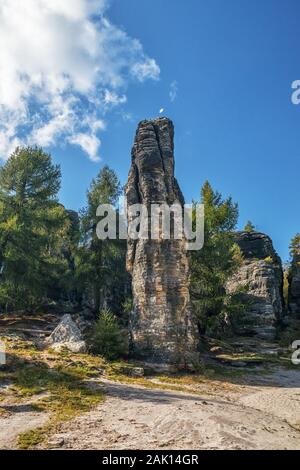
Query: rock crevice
point(294, 287)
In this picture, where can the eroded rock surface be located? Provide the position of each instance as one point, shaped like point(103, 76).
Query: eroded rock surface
point(161, 325)
point(294, 287)
point(262, 273)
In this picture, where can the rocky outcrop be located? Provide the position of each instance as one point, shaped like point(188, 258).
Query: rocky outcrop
point(161, 325)
point(262, 275)
point(294, 287)
point(67, 335)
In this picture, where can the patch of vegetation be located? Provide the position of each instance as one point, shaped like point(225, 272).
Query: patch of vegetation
point(249, 227)
point(217, 310)
point(179, 381)
point(249, 358)
point(107, 338)
point(115, 372)
point(30, 439)
point(290, 334)
point(65, 379)
point(3, 413)
point(286, 286)
point(67, 399)
point(214, 373)
point(150, 383)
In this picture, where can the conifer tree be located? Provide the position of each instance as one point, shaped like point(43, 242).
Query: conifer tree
point(101, 263)
point(295, 246)
point(212, 266)
point(249, 227)
point(31, 226)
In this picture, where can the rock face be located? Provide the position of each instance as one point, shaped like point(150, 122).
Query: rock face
point(262, 273)
point(294, 287)
point(67, 335)
point(161, 326)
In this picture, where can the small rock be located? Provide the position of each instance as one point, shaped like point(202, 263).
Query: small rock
point(133, 371)
point(73, 346)
point(137, 372)
point(56, 442)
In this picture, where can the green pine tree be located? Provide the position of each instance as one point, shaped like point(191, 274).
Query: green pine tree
point(101, 263)
point(212, 266)
point(107, 339)
point(31, 227)
point(295, 246)
point(249, 227)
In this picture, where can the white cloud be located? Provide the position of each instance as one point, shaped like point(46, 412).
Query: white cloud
point(62, 65)
point(146, 69)
point(111, 98)
point(89, 143)
point(62, 120)
point(127, 117)
point(173, 91)
point(8, 134)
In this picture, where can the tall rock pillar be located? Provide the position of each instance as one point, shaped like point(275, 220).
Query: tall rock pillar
point(161, 326)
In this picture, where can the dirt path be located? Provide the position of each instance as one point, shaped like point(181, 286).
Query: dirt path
point(264, 413)
point(16, 419)
point(257, 416)
point(12, 426)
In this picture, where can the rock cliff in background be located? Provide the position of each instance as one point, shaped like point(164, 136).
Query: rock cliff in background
point(262, 273)
point(294, 287)
point(161, 324)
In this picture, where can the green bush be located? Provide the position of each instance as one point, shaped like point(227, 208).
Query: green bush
point(107, 338)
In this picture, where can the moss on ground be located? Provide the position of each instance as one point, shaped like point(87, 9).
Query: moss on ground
point(31, 439)
point(67, 384)
point(64, 378)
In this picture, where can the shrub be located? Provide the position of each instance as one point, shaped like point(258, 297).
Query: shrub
point(107, 338)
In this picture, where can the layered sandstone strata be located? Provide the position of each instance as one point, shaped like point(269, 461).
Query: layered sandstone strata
point(161, 325)
point(262, 275)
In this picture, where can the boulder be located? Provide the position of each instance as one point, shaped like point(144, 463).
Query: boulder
point(67, 335)
point(162, 329)
point(261, 273)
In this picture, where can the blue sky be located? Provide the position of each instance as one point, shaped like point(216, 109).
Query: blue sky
point(233, 63)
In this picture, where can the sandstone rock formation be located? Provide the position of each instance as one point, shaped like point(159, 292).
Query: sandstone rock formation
point(161, 326)
point(262, 273)
point(67, 335)
point(294, 287)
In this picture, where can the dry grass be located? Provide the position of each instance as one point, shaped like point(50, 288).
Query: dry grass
point(66, 385)
point(64, 377)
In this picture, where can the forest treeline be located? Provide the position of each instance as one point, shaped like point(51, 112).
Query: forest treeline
point(51, 254)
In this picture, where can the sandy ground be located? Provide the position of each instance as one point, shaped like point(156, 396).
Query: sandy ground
point(264, 413)
point(17, 418)
point(22, 421)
